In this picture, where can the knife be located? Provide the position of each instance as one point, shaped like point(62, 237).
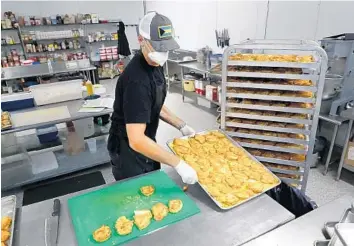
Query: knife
point(51, 225)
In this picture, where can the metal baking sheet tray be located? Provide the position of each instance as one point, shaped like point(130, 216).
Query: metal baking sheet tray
point(284, 171)
point(269, 118)
point(271, 86)
point(169, 144)
point(291, 180)
point(347, 217)
point(321, 243)
point(272, 64)
point(312, 77)
point(10, 126)
point(273, 148)
point(268, 138)
point(268, 128)
point(270, 97)
point(280, 161)
point(270, 108)
point(344, 232)
point(8, 208)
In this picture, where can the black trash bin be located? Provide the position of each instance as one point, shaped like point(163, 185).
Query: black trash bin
point(292, 199)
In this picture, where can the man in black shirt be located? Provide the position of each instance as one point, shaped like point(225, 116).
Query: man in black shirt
point(138, 106)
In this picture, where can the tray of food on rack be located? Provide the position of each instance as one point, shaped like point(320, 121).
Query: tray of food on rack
point(276, 60)
point(8, 214)
point(284, 158)
point(227, 172)
point(272, 58)
point(275, 95)
point(5, 120)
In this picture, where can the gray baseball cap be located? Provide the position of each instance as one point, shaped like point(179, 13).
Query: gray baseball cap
point(159, 31)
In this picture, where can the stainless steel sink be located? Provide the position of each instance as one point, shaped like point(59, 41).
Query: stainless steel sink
point(178, 55)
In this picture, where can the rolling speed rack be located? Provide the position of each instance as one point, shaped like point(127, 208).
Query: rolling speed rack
point(271, 96)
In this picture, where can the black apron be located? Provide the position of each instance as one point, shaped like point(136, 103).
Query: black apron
point(125, 161)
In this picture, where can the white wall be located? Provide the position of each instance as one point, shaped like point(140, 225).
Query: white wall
point(195, 21)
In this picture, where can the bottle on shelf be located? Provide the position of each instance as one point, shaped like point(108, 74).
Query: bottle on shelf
point(50, 68)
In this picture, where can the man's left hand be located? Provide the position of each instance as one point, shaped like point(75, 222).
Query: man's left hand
point(187, 131)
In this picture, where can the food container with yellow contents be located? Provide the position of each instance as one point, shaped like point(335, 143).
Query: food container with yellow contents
point(227, 173)
point(8, 214)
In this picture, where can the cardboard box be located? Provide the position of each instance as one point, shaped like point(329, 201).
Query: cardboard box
point(349, 157)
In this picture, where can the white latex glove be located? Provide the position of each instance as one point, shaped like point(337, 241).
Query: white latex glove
point(187, 131)
point(187, 173)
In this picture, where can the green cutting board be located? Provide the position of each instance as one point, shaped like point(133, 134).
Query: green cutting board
point(103, 207)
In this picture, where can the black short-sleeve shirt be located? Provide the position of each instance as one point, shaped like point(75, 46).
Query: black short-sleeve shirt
point(136, 99)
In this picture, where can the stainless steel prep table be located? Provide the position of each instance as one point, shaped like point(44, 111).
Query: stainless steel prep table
point(43, 70)
point(211, 227)
point(306, 229)
point(196, 66)
point(19, 173)
point(73, 107)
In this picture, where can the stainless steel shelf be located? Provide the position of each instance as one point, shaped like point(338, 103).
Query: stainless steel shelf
point(273, 64)
point(50, 39)
point(66, 50)
point(8, 45)
point(283, 162)
point(272, 75)
point(349, 167)
point(201, 96)
point(269, 118)
point(268, 128)
point(271, 86)
point(274, 148)
point(291, 181)
point(271, 98)
point(41, 70)
point(102, 41)
point(268, 138)
point(270, 108)
point(284, 171)
point(20, 173)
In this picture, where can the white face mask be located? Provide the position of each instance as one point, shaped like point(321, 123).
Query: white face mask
point(157, 57)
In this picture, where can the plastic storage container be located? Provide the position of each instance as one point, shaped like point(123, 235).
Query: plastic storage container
point(56, 92)
point(72, 139)
point(47, 134)
point(17, 101)
point(188, 83)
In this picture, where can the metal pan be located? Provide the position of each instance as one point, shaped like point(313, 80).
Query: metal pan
point(8, 126)
point(344, 232)
point(321, 243)
point(347, 217)
point(8, 208)
point(169, 144)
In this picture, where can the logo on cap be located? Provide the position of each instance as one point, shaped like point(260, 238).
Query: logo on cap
point(165, 31)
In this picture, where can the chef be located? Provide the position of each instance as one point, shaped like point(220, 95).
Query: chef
point(139, 104)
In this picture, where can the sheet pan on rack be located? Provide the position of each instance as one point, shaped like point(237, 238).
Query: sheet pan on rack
point(170, 145)
point(268, 128)
point(8, 208)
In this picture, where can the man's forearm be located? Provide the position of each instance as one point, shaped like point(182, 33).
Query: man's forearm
point(151, 149)
point(170, 118)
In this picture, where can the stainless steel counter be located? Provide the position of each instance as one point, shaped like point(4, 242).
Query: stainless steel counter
point(73, 107)
point(211, 227)
point(20, 172)
point(42, 69)
point(306, 229)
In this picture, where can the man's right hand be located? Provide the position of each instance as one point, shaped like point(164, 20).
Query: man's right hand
point(187, 173)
